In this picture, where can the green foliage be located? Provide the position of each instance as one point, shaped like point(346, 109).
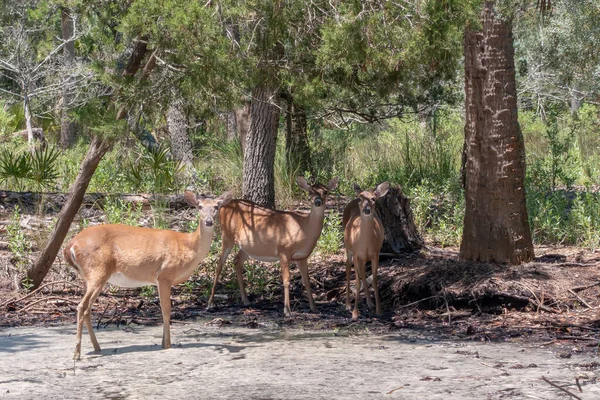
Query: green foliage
point(118, 211)
point(584, 220)
point(438, 212)
point(149, 292)
point(332, 236)
point(23, 169)
point(156, 171)
point(160, 218)
point(17, 242)
point(7, 121)
point(222, 165)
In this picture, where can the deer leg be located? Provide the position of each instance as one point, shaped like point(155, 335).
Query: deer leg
point(225, 250)
point(303, 266)
point(348, 267)
point(363, 278)
point(374, 266)
point(83, 312)
point(164, 294)
point(88, 319)
point(239, 260)
point(285, 274)
point(359, 266)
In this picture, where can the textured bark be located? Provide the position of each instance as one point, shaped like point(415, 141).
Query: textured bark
point(43, 263)
point(496, 227)
point(67, 126)
point(297, 150)
point(259, 156)
point(401, 233)
point(177, 126)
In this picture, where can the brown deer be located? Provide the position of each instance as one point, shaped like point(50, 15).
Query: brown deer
point(130, 256)
point(273, 235)
point(363, 237)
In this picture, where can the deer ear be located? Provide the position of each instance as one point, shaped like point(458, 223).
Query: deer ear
point(333, 183)
point(224, 198)
point(301, 181)
point(356, 188)
point(382, 189)
point(190, 198)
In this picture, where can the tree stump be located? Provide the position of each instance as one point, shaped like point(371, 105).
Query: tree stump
point(401, 233)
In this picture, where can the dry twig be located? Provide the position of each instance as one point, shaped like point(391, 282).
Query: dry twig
point(580, 298)
point(561, 388)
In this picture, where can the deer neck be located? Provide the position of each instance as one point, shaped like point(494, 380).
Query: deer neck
point(367, 223)
point(314, 222)
point(201, 240)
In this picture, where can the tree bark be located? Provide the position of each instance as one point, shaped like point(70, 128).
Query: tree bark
point(67, 126)
point(401, 233)
point(496, 227)
point(43, 263)
point(297, 150)
point(259, 156)
point(177, 126)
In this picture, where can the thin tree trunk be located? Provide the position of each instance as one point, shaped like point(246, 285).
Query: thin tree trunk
point(242, 124)
point(259, 156)
point(297, 150)
point(44, 262)
point(67, 126)
point(28, 125)
point(177, 127)
point(496, 227)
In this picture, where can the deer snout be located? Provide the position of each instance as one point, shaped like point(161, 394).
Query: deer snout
point(367, 210)
point(318, 202)
point(209, 222)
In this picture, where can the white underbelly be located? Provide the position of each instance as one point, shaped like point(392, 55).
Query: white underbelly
point(265, 258)
point(119, 279)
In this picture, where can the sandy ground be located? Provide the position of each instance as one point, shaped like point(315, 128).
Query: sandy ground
point(228, 362)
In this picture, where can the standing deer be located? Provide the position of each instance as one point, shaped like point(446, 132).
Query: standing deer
point(363, 237)
point(130, 256)
point(273, 235)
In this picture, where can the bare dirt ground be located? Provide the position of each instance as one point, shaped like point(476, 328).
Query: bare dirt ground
point(215, 361)
point(451, 329)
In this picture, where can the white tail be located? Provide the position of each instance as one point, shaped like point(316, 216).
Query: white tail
point(272, 235)
point(132, 256)
point(363, 237)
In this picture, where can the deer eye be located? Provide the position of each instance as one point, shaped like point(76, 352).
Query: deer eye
point(216, 207)
point(199, 207)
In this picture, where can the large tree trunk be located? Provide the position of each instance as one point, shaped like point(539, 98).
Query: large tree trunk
point(496, 228)
point(177, 126)
point(259, 156)
point(297, 150)
point(67, 126)
point(43, 263)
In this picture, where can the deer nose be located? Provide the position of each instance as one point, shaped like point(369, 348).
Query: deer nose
point(318, 202)
point(208, 222)
point(367, 210)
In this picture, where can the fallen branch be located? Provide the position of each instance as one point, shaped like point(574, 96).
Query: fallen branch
point(15, 300)
point(417, 302)
point(580, 298)
point(578, 288)
point(561, 388)
point(47, 299)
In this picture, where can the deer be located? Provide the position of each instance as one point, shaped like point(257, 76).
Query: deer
point(129, 256)
point(273, 235)
point(363, 237)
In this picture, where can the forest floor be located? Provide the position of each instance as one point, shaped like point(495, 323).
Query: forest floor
point(547, 310)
